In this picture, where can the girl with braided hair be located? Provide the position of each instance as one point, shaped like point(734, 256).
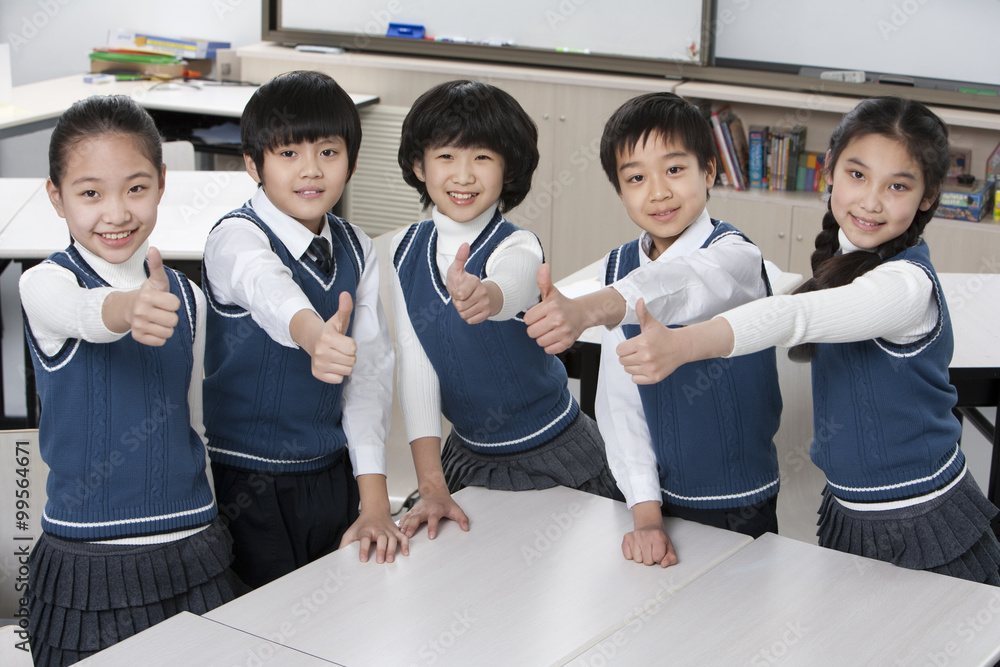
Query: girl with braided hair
point(874, 323)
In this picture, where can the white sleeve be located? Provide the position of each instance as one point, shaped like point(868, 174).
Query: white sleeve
point(513, 267)
point(696, 287)
point(367, 400)
point(894, 301)
point(58, 309)
point(244, 271)
point(419, 388)
point(622, 423)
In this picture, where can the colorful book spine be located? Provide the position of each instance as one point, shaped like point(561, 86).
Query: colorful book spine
point(756, 161)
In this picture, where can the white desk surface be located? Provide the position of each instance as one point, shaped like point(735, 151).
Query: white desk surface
point(589, 279)
point(187, 639)
point(780, 601)
point(974, 305)
point(14, 194)
point(539, 578)
point(45, 100)
point(192, 202)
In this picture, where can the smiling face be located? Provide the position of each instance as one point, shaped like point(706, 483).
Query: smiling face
point(108, 195)
point(462, 182)
point(663, 188)
point(877, 189)
point(305, 179)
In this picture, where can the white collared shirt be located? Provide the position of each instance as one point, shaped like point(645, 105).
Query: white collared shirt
point(684, 285)
point(244, 271)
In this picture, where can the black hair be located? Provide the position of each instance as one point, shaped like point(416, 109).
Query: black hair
point(471, 114)
point(299, 106)
point(671, 117)
point(103, 114)
point(925, 138)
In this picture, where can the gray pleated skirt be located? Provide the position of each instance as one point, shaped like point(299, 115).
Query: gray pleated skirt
point(574, 458)
point(84, 597)
point(950, 534)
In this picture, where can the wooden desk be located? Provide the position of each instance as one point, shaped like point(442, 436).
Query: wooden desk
point(780, 601)
point(538, 578)
point(36, 106)
point(187, 639)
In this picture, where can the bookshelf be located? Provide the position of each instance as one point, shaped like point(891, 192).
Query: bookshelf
point(572, 207)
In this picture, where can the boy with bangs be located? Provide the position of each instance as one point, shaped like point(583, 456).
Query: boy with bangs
point(299, 364)
point(676, 448)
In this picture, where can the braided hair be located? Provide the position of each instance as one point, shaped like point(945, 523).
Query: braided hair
point(925, 137)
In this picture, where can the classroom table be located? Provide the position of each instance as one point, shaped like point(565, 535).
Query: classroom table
point(538, 578)
point(781, 601)
point(187, 639)
point(973, 300)
point(36, 106)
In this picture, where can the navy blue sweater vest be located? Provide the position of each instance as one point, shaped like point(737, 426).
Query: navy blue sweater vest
point(712, 422)
point(882, 413)
point(264, 409)
point(500, 390)
point(116, 431)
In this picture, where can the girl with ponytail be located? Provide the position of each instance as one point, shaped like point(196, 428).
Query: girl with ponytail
point(874, 323)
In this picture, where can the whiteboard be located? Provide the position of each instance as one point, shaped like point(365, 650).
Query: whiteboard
point(655, 29)
point(949, 40)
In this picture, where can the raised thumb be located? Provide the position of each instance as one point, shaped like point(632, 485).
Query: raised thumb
point(157, 274)
point(342, 318)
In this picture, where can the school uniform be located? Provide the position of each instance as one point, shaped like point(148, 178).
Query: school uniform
point(515, 425)
point(700, 442)
point(129, 503)
point(285, 446)
point(898, 488)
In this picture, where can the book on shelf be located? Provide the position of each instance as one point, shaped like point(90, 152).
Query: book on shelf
point(731, 141)
point(759, 139)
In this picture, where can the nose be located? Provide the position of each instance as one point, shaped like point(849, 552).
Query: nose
point(659, 188)
point(464, 172)
point(310, 167)
point(115, 211)
point(870, 200)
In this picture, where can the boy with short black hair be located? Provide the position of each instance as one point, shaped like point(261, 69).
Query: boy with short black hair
point(299, 362)
point(698, 445)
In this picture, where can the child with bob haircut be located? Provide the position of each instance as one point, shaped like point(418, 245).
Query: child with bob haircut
point(145, 542)
point(874, 322)
point(298, 383)
point(462, 279)
point(698, 445)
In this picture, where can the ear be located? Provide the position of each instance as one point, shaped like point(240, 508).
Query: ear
point(710, 174)
point(252, 168)
point(828, 168)
point(418, 170)
point(928, 200)
point(55, 197)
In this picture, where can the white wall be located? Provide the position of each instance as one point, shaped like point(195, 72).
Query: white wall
point(51, 38)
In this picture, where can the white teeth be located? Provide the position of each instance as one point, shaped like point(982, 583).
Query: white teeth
point(457, 195)
point(117, 235)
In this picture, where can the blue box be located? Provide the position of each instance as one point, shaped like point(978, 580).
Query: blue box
point(407, 30)
point(966, 202)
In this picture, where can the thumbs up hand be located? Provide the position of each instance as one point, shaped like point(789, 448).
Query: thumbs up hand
point(335, 353)
point(556, 322)
point(468, 293)
point(153, 314)
point(653, 354)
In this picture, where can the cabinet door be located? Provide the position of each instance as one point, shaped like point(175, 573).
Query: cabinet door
point(768, 224)
point(588, 219)
point(963, 247)
point(807, 222)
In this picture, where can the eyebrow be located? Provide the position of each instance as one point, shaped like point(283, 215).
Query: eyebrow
point(666, 156)
point(98, 179)
point(898, 174)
